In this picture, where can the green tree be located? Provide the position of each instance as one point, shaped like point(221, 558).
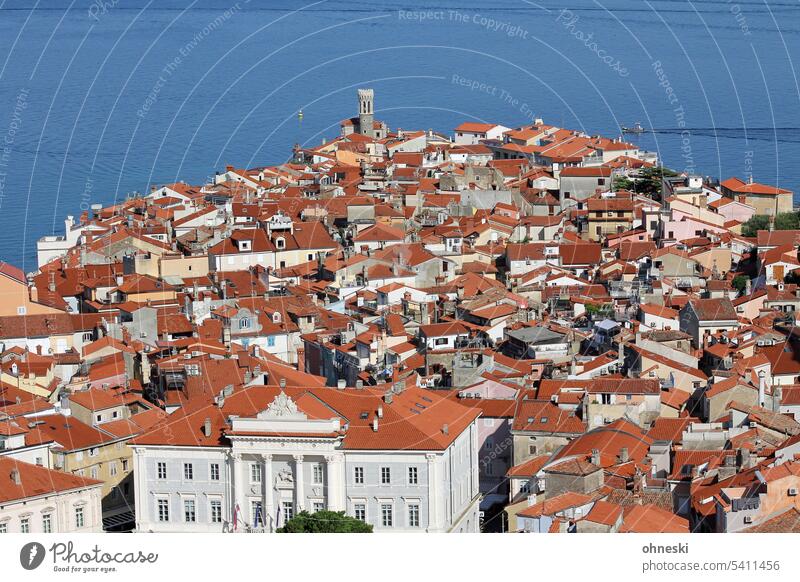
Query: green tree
point(647, 181)
point(325, 522)
point(622, 183)
point(783, 221)
point(740, 282)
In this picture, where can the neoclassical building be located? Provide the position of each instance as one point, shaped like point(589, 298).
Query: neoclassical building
point(402, 459)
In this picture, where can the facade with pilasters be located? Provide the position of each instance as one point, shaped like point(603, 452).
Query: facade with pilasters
point(402, 460)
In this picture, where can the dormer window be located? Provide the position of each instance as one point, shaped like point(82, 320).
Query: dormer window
point(244, 323)
point(280, 242)
point(276, 317)
point(244, 245)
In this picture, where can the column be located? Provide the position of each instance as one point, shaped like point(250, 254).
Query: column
point(237, 489)
point(475, 459)
point(140, 499)
point(335, 484)
point(269, 496)
point(433, 506)
point(300, 496)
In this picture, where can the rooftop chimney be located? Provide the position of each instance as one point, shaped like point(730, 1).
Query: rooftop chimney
point(15, 477)
point(282, 383)
point(388, 397)
point(207, 427)
point(341, 384)
point(596, 457)
point(762, 388)
point(445, 429)
point(375, 424)
point(380, 411)
point(623, 455)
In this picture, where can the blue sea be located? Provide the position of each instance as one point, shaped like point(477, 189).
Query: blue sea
point(102, 99)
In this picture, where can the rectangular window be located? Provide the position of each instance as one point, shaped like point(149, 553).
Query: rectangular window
point(386, 475)
point(188, 471)
point(288, 511)
point(358, 476)
point(189, 511)
point(94, 472)
point(255, 473)
point(387, 517)
point(413, 515)
point(163, 509)
point(318, 506)
point(124, 464)
point(216, 511)
point(360, 511)
point(257, 513)
point(214, 471)
point(271, 341)
point(79, 518)
point(112, 468)
point(25, 525)
point(317, 474)
point(162, 470)
point(3, 528)
point(413, 476)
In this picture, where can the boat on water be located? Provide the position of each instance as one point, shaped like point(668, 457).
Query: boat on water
point(300, 115)
point(635, 128)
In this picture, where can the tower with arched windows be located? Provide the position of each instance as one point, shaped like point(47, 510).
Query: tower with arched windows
point(366, 121)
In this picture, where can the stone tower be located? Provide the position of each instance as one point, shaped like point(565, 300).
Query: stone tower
point(366, 97)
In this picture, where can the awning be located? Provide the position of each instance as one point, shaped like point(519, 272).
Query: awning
point(126, 518)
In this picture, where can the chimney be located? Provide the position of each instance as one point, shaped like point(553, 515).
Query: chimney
point(207, 428)
point(359, 384)
point(445, 429)
point(375, 424)
point(596, 457)
point(15, 477)
point(388, 397)
point(623, 455)
point(380, 411)
point(34, 293)
point(341, 384)
point(762, 388)
point(282, 383)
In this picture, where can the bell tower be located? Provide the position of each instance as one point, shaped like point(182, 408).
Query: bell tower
point(366, 98)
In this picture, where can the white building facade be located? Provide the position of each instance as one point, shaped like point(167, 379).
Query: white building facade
point(283, 460)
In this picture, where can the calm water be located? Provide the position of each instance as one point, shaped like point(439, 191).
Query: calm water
point(98, 100)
